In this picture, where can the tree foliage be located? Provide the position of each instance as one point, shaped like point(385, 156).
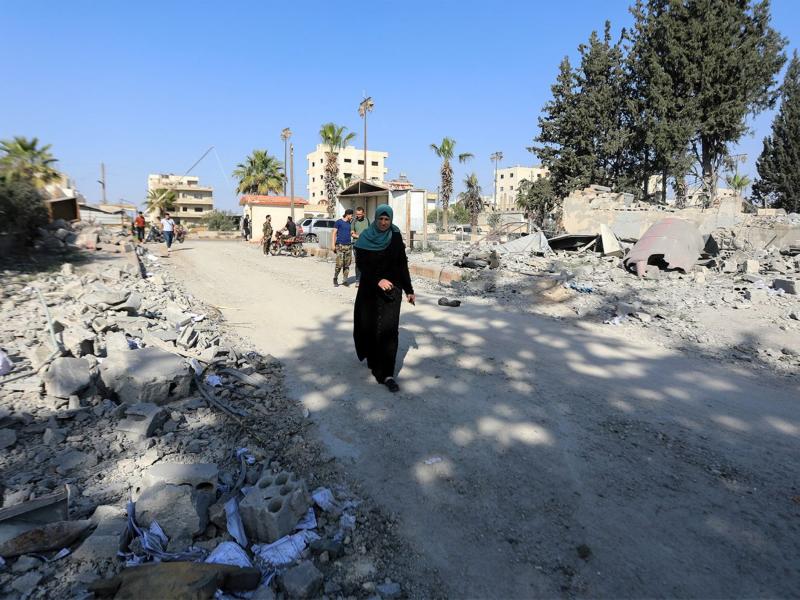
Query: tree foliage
point(22, 159)
point(22, 208)
point(446, 150)
point(336, 138)
point(471, 199)
point(778, 167)
point(538, 199)
point(260, 173)
point(161, 200)
point(219, 221)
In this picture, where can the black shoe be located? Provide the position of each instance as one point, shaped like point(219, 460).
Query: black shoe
point(346, 283)
point(390, 383)
point(446, 302)
point(335, 282)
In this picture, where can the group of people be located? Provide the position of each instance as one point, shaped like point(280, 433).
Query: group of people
point(346, 233)
point(168, 229)
point(289, 230)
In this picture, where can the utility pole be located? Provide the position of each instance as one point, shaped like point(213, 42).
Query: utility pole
point(291, 175)
point(365, 107)
point(496, 157)
point(285, 135)
point(102, 180)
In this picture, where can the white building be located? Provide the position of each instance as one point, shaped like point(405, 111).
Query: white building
point(351, 166)
point(193, 201)
point(508, 180)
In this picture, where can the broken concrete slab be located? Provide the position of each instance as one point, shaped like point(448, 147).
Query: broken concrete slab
point(146, 375)
point(103, 543)
point(142, 420)
point(790, 286)
point(44, 538)
point(8, 437)
point(201, 476)
point(131, 305)
point(609, 242)
point(187, 338)
point(673, 243)
point(67, 376)
point(173, 506)
point(175, 316)
point(177, 581)
point(273, 506)
point(100, 294)
point(79, 340)
point(116, 341)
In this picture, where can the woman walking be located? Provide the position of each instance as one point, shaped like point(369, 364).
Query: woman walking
point(381, 258)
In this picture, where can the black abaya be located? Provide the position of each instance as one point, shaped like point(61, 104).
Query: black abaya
point(376, 316)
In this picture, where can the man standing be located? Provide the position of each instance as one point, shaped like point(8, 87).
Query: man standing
point(246, 228)
point(359, 224)
point(139, 224)
point(291, 228)
point(342, 241)
point(266, 229)
point(168, 229)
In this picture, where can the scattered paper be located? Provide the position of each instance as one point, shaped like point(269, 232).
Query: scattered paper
point(433, 460)
point(6, 366)
point(229, 553)
point(309, 521)
point(61, 554)
point(286, 550)
point(323, 498)
point(234, 521)
point(347, 521)
point(214, 380)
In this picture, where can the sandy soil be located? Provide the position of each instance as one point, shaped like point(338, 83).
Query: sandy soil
point(533, 456)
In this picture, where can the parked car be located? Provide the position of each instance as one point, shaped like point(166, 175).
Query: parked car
point(314, 228)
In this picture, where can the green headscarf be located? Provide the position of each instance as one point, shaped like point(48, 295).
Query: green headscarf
point(374, 239)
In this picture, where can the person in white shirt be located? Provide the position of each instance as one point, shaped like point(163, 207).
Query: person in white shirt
point(168, 229)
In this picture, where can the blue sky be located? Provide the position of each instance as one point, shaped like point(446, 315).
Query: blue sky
point(149, 86)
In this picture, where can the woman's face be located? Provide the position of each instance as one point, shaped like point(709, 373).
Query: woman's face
point(384, 223)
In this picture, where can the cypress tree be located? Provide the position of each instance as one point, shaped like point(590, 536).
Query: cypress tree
point(778, 167)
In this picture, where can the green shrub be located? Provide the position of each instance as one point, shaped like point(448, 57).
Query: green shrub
point(22, 209)
point(218, 220)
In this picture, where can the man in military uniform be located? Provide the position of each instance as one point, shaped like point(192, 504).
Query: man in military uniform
point(267, 231)
point(342, 241)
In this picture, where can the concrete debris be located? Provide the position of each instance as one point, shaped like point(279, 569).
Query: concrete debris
point(146, 375)
point(273, 506)
point(302, 581)
point(143, 420)
point(67, 376)
point(673, 243)
point(52, 536)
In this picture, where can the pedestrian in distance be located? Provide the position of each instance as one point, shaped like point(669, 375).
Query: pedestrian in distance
point(291, 228)
point(139, 224)
point(246, 228)
point(168, 229)
point(266, 229)
point(381, 258)
point(342, 242)
point(359, 225)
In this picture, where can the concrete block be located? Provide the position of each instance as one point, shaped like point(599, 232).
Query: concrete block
point(449, 275)
point(142, 420)
point(756, 294)
point(273, 506)
point(116, 341)
point(751, 267)
point(146, 375)
point(790, 286)
point(174, 508)
point(729, 266)
point(78, 340)
point(200, 476)
point(302, 581)
point(101, 294)
point(67, 376)
point(103, 544)
point(187, 338)
point(175, 316)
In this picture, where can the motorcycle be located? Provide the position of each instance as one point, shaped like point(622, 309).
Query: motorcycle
point(287, 245)
point(154, 235)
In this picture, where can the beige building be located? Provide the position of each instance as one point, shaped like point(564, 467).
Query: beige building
point(193, 201)
point(351, 166)
point(257, 207)
point(508, 180)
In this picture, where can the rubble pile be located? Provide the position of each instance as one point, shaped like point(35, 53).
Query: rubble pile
point(61, 236)
point(145, 454)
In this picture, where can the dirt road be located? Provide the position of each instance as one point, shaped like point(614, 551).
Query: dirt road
point(534, 457)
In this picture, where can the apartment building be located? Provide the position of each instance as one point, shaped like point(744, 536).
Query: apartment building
point(351, 166)
point(508, 180)
point(193, 201)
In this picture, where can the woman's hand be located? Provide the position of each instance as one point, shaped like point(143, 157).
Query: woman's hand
point(412, 299)
point(385, 285)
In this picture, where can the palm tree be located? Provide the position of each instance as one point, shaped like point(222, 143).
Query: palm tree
point(21, 158)
point(738, 182)
point(334, 137)
point(471, 199)
point(160, 201)
point(260, 173)
point(446, 151)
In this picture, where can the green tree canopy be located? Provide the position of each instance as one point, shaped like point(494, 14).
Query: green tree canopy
point(778, 167)
point(471, 199)
point(23, 159)
point(161, 200)
point(447, 151)
point(538, 199)
point(336, 138)
point(260, 173)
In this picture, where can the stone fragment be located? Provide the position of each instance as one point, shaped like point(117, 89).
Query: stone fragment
point(388, 589)
point(43, 538)
point(100, 294)
point(79, 340)
point(67, 269)
point(26, 563)
point(72, 459)
point(187, 338)
point(334, 548)
point(103, 543)
point(790, 286)
point(173, 507)
point(302, 581)
point(164, 335)
point(756, 294)
point(200, 476)
point(116, 341)
point(176, 317)
point(67, 376)
point(751, 267)
point(177, 581)
point(142, 420)
point(131, 305)
point(146, 375)
point(53, 437)
point(273, 506)
point(729, 266)
point(8, 437)
point(26, 583)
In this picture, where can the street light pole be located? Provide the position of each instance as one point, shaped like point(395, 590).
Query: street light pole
point(291, 176)
point(496, 157)
point(365, 107)
point(285, 135)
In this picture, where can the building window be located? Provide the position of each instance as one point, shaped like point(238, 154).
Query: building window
point(347, 160)
point(313, 180)
point(361, 162)
point(374, 163)
point(511, 188)
point(185, 209)
point(347, 175)
point(501, 189)
point(312, 163)
point(510, 175)
point(538, 176)
point(501, 175)
point(313, 194)
point(198, 209)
